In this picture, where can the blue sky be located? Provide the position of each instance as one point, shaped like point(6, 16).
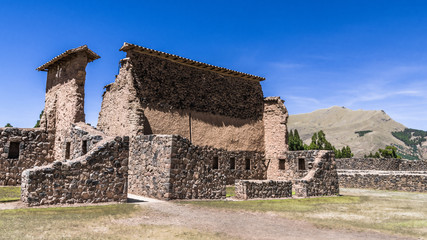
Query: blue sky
point(369, 55)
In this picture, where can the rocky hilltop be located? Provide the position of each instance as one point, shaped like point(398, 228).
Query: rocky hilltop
point(364, 131)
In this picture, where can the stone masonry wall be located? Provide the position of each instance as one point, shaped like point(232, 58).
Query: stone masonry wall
point(287, 164)
point(248, 189)
point(149, 166)
point(384, 180)
point(33, 151)
point(275, 133)
point(321, 179)
point(81, 134)
point(169, 85)
point(206, 107)
point(170, 167)
point(382, 164)
point(99, 176)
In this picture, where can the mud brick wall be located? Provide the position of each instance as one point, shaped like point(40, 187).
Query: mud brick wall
point(99, 176)
point(384, 180)
point(170, 167)
point(121, 111)
point(275, 133)
point(33, 151)
point(64, 100)
point(321, 179)
point(381, 164)
point(248, 189)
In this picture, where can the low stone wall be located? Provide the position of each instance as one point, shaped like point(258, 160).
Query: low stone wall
point(384, 180)
point(99, 176)
point(170, 167)
point(248, 189)
point(322, 177)
point(381, 164)
point(20, 149)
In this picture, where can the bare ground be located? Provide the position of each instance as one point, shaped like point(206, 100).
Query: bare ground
point(241, 224)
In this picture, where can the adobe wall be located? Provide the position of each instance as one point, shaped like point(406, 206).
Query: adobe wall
point(33, 151)
point(99, 176)
point(249, 189)
point(384, 180)
point(152, 95)
point(121, 111)
point(321, 179)
point(275, 133)
point(64, 100)
point(170, 167)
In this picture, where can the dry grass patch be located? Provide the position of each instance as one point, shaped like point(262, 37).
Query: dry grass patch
point(399, 213)
point(91, 222)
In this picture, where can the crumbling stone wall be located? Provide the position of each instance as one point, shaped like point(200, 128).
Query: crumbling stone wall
point(82, 139)
point(33, 151)
point(99, 176)
point(384, 180)
point(288, 164)
point(152, 95)
point(381, 164)
point(248, 189)
point(170, 167)
point(321, 179)
point(275, 133)
point(64, 100)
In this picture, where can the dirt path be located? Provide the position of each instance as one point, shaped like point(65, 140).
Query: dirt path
point(244, 225)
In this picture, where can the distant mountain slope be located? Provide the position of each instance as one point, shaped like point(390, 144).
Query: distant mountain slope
point(363, 131)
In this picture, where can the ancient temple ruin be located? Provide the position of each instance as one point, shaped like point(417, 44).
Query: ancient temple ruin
point(169, 128)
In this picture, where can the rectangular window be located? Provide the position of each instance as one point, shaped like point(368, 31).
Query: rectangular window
point(232, 163)
point(13, 150)
point(67, 150)
point(301, 164)
point(282, 164)
point(248, 164)
point(215, 163)
point(84, 147)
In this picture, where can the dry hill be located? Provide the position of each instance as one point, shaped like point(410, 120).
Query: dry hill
point(363, 131)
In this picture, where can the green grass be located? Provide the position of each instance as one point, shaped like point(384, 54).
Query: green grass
point(398, 213)
point(92, 222)
point(9, 194)
point(230, 192)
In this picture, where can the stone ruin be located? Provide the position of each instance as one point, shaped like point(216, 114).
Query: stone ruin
point(169, 128)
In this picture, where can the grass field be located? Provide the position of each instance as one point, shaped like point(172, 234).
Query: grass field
point(92, 222)
point(385, 211)
point(8, 194)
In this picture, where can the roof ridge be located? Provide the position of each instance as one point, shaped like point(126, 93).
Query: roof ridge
point(186, 61)
point(92, 56)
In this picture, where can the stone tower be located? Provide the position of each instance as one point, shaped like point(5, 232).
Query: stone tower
point(64, 100)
